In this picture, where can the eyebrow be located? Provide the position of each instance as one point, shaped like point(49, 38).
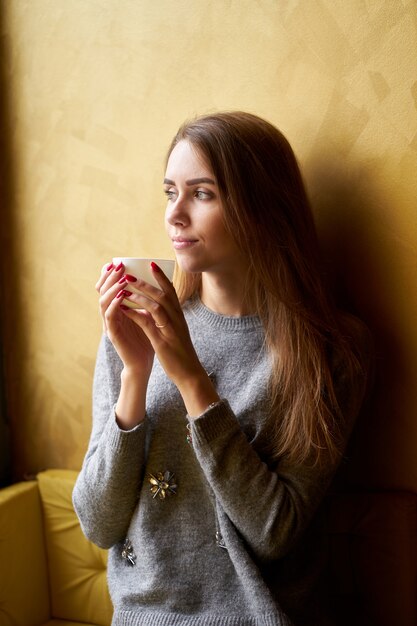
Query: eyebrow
point(192, 181)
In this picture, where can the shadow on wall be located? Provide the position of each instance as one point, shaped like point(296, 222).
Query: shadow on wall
point(11, 333)
point(361, 254)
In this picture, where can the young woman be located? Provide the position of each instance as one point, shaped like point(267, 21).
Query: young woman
point(221, 407)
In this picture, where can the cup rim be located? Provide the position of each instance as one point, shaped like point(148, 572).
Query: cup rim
point(143, 258)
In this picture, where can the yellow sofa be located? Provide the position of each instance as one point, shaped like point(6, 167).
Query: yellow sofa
point(50, 575)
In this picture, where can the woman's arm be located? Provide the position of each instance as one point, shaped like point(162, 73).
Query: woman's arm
point(105, 493)
point(270, 507)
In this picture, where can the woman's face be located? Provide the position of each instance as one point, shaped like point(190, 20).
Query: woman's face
point(194, 215)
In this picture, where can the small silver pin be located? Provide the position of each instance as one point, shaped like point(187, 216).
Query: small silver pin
point(189, 434)
point(128, 553)
point(220, 541)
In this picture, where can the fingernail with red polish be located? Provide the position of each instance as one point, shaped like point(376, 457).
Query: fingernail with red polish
point(124, 293)
point(119, 267)
point(130, 278)
point(109, 267)
point(155, 267)
point(122, 281)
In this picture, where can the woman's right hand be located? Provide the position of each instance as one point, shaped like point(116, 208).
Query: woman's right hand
point(130, 342)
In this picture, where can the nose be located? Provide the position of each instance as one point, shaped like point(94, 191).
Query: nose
point(176, 213)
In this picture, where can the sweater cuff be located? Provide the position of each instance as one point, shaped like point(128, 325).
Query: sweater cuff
point(217, 420)
point(121, 441)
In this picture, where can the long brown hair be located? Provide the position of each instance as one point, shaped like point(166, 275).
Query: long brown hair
point(267, 211)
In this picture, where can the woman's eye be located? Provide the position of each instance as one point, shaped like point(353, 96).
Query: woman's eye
point(203, 195)
point(170, 193)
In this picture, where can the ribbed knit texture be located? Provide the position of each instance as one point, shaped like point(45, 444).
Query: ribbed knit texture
point(129, 618)
point(227, 494)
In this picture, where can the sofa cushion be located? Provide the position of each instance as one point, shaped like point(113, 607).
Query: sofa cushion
point(77, 568)
point(64, 622)
point(23, 572)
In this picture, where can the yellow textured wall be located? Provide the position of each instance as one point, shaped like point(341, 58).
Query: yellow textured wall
point(97, 89)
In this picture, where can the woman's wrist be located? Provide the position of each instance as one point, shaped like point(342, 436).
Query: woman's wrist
point(198, 393)
point(131, 404)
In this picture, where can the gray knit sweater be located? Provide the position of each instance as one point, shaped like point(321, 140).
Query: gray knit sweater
point(202, 530)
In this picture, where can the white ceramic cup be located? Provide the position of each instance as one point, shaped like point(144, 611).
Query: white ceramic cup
point(141, 268)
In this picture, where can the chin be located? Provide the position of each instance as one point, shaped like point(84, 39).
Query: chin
point(186, 265)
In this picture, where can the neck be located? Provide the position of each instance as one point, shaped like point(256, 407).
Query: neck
point(226, 296)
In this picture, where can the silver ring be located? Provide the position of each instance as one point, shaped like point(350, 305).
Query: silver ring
point(160, 325)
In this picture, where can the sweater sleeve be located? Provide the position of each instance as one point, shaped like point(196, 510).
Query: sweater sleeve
point(107, 488)
point(269, 507)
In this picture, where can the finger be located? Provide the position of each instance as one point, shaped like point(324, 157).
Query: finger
point(165, 295)
point(166, 300)
point(161, 278)
point(107, 297)
point(166, 285)
point(116, 307)
point(109, 275)
point(157, 314)
point(105, 272)
point(144, 321)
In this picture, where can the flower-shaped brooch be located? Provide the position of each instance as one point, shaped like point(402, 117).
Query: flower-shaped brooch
point(162, 484)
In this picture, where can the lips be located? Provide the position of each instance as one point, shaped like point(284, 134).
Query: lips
point(182, 243)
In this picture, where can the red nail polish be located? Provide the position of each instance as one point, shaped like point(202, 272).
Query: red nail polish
point(124, 307)
point(130, 278)
point(155, 267)
point(122, 281)
point(124, 293)
point(119, 267)
point(109, 267)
